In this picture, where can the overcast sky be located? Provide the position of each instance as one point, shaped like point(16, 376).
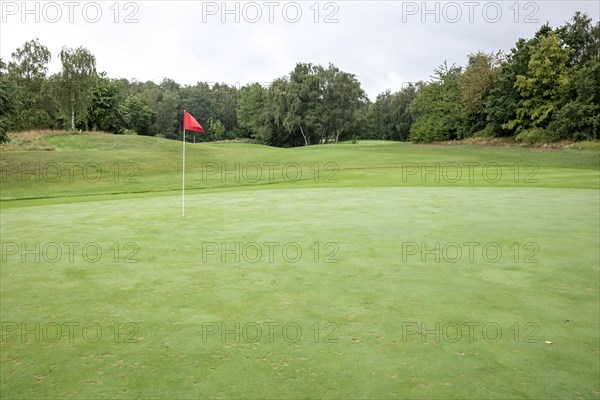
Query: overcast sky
point(384, 43)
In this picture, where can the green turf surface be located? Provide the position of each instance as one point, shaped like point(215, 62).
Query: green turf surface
point(326, 286)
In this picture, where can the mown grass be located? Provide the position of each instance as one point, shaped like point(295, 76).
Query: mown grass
point(366, 299)
point(99, 164)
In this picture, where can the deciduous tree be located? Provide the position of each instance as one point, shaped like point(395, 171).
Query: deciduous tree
point(77, 76)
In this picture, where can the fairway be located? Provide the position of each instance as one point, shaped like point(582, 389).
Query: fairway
point(368, 270)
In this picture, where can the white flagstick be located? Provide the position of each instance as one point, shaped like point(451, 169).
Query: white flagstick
point(183, 173)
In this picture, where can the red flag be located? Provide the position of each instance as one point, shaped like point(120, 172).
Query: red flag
point(190, 124)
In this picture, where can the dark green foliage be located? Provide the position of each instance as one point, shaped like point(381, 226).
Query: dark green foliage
point(479, 78)
point(542, 86)
point(137, 115)
point(579, 119)
point(343, 98)
point(546, 88)
point(215, 129)
point(582, 38)
point(33, 104)
point(503, 100)
point(8, 102)
point(438, 109)
point(314, 105)
point(390, 116)
point(252, 111)
point(105, 112)
point(304, 104)
point(539, 95)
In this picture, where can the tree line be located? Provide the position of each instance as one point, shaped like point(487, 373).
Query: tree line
point(546, 88)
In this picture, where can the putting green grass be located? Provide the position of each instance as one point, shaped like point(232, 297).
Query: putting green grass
point(382, 275)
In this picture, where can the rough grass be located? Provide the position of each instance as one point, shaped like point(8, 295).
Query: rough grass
point(585, 145)
point(511, 142)
point(36, 140)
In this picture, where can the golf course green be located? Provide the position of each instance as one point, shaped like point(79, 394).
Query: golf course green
point(370, 270)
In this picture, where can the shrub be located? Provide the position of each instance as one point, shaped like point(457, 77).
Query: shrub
point(585, 145)
point(486, 132)
point(577, 121)
point(536, 135)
